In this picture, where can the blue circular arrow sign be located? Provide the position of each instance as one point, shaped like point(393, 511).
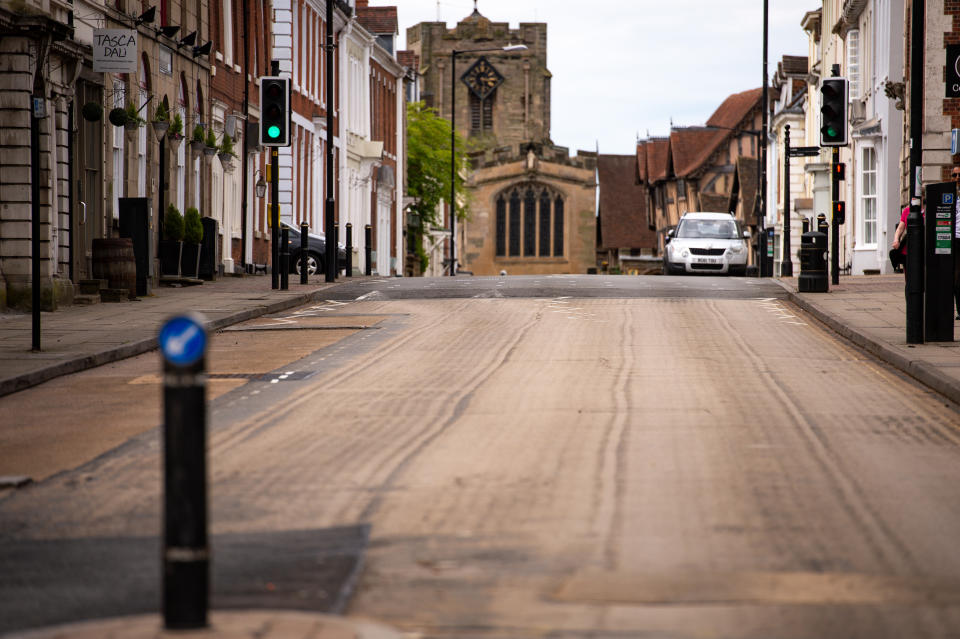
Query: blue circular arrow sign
point(183, 340)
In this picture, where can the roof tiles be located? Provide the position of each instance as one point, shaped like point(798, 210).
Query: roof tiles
point(623, 213)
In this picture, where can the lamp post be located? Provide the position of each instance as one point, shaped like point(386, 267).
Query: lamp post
point(453, 142)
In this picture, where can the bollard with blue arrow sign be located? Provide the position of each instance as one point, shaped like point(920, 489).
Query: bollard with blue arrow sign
point(186, 556)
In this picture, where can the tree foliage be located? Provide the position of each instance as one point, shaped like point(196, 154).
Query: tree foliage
point(428, 161)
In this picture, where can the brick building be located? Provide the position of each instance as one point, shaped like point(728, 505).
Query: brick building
point(625, 240)
point(531, 205)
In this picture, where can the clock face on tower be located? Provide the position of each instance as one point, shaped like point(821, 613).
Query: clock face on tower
point(482, 78)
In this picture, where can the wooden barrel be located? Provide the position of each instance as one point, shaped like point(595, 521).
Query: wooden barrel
point(113, 261)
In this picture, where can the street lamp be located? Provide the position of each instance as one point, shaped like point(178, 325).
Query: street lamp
point(261, 186)
point(453, 142)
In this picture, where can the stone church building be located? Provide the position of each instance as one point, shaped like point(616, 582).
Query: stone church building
point(531, 207)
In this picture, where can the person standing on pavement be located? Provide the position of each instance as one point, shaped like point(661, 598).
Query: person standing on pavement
point(900, 238)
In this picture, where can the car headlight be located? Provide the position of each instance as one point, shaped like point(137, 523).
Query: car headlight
point(685, 254)
point(736, 248)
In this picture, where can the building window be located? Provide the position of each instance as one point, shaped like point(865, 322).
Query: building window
point(544, 223)
point(227, 17)
point(853, 63)
point(501, 226)
point(529, 223)
point(529, 218)
point(558, 227)
point(515, 223)
point(868, 195)
point(481, 115)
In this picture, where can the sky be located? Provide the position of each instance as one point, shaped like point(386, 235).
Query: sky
point(623, 68)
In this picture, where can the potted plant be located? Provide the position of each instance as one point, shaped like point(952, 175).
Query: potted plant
point(227, 154)
point(210, 144)
point(171, 246)
point(134, 121)
point(161, 120)
point(192, 236)
point(175, 132)
point(196, 140)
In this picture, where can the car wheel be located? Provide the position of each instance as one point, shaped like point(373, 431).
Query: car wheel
point(314, 264)
point(667, 268)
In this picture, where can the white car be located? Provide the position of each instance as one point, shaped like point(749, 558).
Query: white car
point(706, 243)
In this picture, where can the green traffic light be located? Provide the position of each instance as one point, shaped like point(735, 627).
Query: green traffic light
point(273, 131)
point(831, 132)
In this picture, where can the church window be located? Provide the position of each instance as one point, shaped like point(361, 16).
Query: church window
point(544, 224)
point(501, 226)
point(515, 223)
point(529, 218)
point(529, 223)
point(558, 227)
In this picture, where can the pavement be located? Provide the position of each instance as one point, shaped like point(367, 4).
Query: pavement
point(869, 311)
point(76, 338)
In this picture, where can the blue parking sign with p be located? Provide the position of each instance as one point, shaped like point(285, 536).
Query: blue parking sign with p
point(948, 198)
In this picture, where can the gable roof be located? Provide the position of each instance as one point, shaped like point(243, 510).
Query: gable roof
point(623, 204)
point(658, 159)
point(378, 20)
point(688, 147)
point(693, 147)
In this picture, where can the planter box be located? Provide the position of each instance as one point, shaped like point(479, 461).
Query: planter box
point(190, 261)
point(170, 252)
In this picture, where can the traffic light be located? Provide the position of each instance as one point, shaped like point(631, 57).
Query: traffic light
point(274, 111)
point(841, 171)
point(840, 212)
point(834, 95)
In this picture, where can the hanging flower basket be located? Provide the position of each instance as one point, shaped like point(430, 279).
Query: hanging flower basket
point(227, 161)
point(197, 145)
point(160, 127)
point(209, 150)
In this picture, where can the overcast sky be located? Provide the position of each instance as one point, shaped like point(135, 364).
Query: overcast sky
point(623, 67)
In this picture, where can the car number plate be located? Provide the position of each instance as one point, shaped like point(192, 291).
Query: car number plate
point(708, 260)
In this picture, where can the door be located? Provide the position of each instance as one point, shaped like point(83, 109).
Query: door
point(88, 219)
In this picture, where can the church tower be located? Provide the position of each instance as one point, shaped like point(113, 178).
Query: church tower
point(532, 206)
point(503, 98)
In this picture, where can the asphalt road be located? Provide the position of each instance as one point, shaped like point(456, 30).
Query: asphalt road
point(564, 457)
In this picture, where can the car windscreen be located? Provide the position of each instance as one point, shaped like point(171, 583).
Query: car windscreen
point(708, 229)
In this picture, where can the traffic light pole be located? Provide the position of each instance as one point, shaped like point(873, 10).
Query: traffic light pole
point(274, 218)
point(915, 234)
point(835, 221)
point(330, 255)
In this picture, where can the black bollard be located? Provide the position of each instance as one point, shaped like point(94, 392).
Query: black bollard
point(285, 259)
point(349, 264)
point(186, 556)
point(304, 253)
point(368, 240)
point(336, 250)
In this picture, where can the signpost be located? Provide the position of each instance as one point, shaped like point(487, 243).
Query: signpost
point(186, 556)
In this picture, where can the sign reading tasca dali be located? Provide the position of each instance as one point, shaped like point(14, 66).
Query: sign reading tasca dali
point(115, 50)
